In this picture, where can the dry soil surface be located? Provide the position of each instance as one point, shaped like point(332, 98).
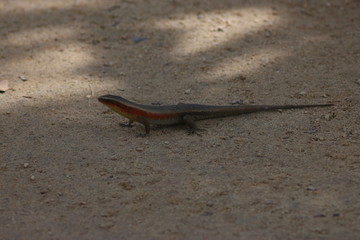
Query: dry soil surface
point(69, 171)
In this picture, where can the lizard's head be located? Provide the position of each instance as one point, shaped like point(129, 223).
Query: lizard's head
point(117, 104)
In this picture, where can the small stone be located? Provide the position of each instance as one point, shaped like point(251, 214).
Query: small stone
point(82, 203)
point(302, 93)
point(166, 142)
point(124, 37)
point(242, 77)
point(187, 91)
point(26, 165)
point(327, 117)
point(139, 149)
point(108, 64)
point(22, 78)
point(318, 138)
point(207, 213)
point(32, 177)
point(310, 188)
point(336, 215)
point(358, 81)
point(138, 39)
point(209, 204)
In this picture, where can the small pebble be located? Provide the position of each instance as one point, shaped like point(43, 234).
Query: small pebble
point(22, 78)
point(318, 138)
point(138, 39)
point(32, 177)
point(358, 81)
point(302, 93)
point(242, 77)
point(209, 204)
point(187, 91)
point(107, 64)
point(310, 188)
point(166, 142)
point(26, 165)
point(327, 117)
point(207, 213)
point(139, 149)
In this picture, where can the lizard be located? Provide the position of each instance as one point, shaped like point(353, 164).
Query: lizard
point(182, 113)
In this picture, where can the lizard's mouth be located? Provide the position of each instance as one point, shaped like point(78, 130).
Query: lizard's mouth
point(107, 100)
point(104, 100)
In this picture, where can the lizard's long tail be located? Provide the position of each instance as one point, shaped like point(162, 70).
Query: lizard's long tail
point(223, 111)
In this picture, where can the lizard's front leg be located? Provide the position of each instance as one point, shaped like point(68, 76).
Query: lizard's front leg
point(188, 120)
point(146, 125)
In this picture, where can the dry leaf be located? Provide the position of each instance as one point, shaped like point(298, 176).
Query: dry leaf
point(4, 85)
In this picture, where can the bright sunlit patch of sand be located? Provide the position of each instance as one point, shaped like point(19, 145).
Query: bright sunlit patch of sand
point(211, 29)
point(246, 63)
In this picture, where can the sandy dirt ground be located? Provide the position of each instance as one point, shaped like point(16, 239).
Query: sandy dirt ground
point(69, 171)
